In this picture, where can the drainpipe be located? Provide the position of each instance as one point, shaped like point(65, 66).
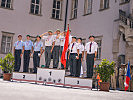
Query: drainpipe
point(65, 23)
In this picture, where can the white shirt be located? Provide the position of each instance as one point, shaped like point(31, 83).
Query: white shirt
point(94, 47)
point(48, 40)
point(81, 48)
point(62, 40)
point(57, 40)
point(75, 47)
point(70, 38)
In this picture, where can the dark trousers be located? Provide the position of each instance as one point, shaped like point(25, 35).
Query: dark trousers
point(47, 56)
point(36, 60)
point(56, 52)
point(26, 60)
point(78, 68)
point(90, 64)
point(73, 64)
point(17, 60)
point(61, 50)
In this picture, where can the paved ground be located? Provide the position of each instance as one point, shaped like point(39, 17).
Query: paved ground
point(26, 91)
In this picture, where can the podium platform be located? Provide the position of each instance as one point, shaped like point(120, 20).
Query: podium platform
point(76, 82)
point(25, 77)
point(55, 77)
point(50, 76)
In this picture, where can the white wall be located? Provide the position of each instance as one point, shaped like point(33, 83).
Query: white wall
point(19, 21)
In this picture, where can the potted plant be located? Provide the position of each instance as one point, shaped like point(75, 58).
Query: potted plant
point(105, 70)
point(7, 66)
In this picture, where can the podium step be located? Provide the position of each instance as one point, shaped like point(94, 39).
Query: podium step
point(76, 82)
point(24, 77)
point(50, 76)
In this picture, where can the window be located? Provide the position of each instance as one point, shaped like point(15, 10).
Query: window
point(56, 11)
point(35, 7)
point(98, 40)
point(6, 4)
point(6, 42)
point(104, 4)
point(87, 7)
point(124, 1)
point(74, 9)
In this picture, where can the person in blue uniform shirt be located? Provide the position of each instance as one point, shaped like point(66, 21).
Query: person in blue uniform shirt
point(18, 52)
point(28, 48)
point(37, 52)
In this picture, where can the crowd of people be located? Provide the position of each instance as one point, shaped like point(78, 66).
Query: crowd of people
point(54, 44)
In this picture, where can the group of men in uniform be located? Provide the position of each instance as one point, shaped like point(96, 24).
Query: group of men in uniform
point(54, 43)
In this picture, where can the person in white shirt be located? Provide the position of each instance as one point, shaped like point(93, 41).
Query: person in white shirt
point(90, 54)
point(56, 49)
point(49, 45)
point(81, 55)
point(62, 42)
point(73, 56)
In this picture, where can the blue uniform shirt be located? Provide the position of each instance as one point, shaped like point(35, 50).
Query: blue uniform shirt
point(18, 45)
point(28, 45)
point(37, 46)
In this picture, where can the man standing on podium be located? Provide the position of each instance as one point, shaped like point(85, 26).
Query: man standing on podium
point(49, 46)
point(73, 56)
point(38, 46)
point(28, 48)
point(90, 54)
point(18, 52)
point(81, 55)
point(56, 50)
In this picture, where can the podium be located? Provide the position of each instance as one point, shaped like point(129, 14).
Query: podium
point(55, 77)
point(25, 77)
point(50, 76)
point(76, 82)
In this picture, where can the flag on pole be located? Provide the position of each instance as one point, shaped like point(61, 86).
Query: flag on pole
point(128, 77)
point(63, 56)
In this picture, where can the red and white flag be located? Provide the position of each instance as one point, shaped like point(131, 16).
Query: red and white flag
point(128, 77)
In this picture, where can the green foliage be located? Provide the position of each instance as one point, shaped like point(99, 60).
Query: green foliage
point(7, 63)
point(105, 70)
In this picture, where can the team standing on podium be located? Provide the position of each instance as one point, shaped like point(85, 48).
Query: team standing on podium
point(54, 43)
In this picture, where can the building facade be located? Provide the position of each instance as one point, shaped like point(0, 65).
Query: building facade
point(111, 21)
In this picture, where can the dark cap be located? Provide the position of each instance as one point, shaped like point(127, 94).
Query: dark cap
point(74, 37)
point(19, 35)
point(38, 36)
point(91, 36)
point(28, 36)
point(80, 39)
